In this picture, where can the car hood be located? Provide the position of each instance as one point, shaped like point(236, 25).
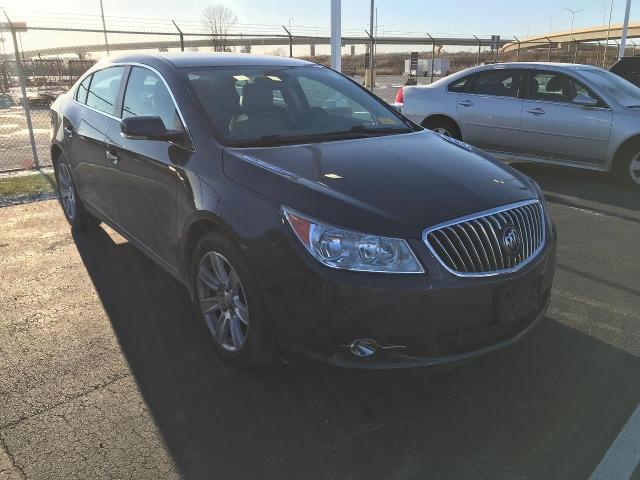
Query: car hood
point(394, 185)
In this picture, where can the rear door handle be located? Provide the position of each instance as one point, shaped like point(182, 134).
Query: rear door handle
point(465, 103)
point(112, 156)
point(536, 111)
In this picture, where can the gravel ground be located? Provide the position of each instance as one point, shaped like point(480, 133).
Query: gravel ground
point(104, 375)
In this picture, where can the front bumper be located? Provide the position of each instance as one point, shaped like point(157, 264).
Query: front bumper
point(428, 319)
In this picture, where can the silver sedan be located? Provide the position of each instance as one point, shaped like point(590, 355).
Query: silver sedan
point(565, 114)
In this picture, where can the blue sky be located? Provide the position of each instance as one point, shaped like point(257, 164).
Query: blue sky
point(446, 16)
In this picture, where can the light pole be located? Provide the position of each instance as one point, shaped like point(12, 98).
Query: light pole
point(606, 45)
point(550, 24)
point(292, 18)
point(104, 28)
point(573, 16)
point(625, 27)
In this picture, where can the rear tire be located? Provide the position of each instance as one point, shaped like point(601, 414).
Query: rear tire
point(443, 126)
point(228, 303)
point(72, 206)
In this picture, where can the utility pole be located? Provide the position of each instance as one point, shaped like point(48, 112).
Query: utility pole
point(573, 16)
point(606, 44)
point(372, 37)
point(104, 28)
point(336, 35)
point(625, 28)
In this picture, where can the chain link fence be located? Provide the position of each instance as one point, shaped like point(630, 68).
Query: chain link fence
point(40, 63)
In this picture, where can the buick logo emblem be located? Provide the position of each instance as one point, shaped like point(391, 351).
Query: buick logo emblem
point(511, 240)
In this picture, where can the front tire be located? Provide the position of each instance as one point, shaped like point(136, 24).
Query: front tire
point(628, 168)
point(229, 304)
point(72, 206)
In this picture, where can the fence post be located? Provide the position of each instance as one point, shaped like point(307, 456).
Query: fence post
point(549, 51)
point(23, 89)
point(433, 56)
point(290, 41)
point(479, 47)
point(181, 35)
point(598, 54)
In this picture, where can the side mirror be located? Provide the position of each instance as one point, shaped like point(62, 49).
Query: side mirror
point(149, 127)
point(585, 101)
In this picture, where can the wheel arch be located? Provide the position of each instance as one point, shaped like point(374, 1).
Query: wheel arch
point(618, 155)
point(56, 151)
point(198, 225)
point(440, 116)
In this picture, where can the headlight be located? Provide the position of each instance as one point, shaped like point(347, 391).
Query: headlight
point(344, 249)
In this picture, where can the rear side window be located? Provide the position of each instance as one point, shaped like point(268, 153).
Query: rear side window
point(498, 83)
point(83, 90)
point(147, 94)
point(459, 85)
point(103, 91)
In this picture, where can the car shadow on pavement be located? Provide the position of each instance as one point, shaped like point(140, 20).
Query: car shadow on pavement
point(548, 407)
point(598, 187)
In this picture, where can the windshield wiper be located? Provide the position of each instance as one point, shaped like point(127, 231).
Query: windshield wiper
point(357, 131)
point(378, 130)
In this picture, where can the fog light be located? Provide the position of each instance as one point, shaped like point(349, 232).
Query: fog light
point(363, 347)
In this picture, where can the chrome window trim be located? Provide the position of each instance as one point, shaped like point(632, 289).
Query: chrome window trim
point(148, 67)
point(481, 214)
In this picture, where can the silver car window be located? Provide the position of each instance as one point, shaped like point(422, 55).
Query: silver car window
point(552, 86)
point(499, 83)
point(622, 90)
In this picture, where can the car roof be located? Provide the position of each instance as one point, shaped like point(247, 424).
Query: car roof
point(197, 59)
point(565, 66)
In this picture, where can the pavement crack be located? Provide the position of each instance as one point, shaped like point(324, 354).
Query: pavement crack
point(65, 401)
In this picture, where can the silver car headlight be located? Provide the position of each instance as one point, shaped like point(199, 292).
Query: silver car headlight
point(344, 249)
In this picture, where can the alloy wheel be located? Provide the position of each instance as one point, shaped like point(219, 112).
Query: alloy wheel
point(223, 302)
point(67, 195)
point(634, 168)
point(442, 131)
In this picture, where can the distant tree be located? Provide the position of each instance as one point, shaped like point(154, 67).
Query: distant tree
point(218, 20)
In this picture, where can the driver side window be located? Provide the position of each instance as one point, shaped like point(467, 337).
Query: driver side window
point(557, 87)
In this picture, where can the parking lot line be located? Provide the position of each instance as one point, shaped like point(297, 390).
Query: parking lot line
point(624, 454)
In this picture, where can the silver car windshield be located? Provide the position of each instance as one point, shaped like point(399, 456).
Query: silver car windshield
point(625, 92)
point(249, 104)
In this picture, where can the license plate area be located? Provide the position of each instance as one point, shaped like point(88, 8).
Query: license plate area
point(516, 301)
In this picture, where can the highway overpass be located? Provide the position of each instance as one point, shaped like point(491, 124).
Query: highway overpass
point(591, 34)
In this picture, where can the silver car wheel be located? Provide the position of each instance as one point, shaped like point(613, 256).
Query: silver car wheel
point(67, 195)
point(634, 168)
point(223, 302)
point(442, 131)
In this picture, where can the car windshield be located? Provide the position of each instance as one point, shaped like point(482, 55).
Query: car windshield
point(625, 92)
point(253, 105)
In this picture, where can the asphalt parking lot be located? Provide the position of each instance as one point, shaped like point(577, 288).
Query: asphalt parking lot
point(105, 376)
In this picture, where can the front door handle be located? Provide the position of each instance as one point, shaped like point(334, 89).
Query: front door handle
point(112, 156)
point(465, 103)
point(536, 111)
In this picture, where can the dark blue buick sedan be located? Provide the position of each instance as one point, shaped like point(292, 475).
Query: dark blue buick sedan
point(303, 213)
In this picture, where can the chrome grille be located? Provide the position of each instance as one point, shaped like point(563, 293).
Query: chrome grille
point(486, 243)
